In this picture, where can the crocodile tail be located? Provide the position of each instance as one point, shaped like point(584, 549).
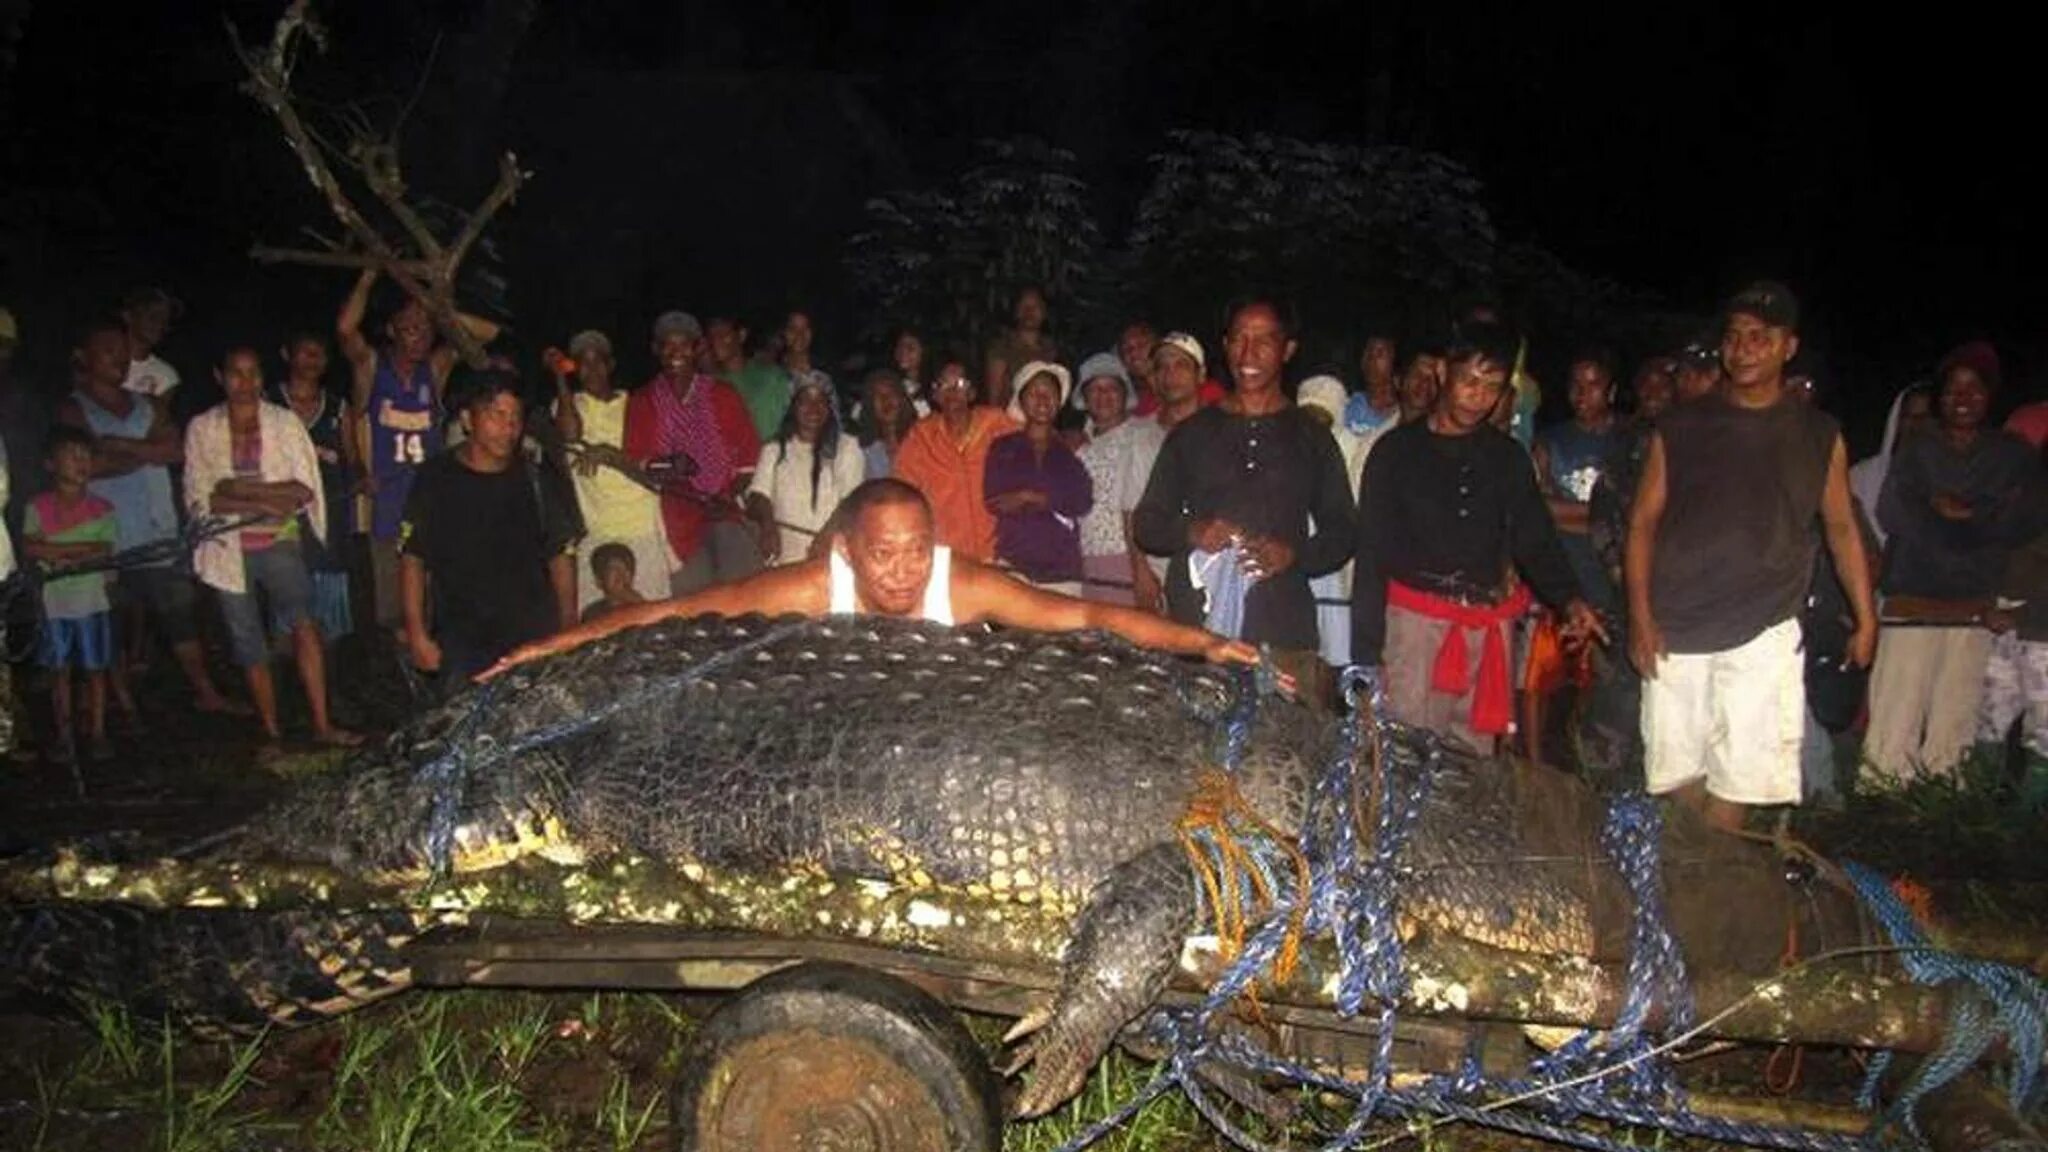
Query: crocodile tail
point(214, 971)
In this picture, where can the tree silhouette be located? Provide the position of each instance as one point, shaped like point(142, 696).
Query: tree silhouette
point(949, 260)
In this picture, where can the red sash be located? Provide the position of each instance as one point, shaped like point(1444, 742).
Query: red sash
point(1492, 698)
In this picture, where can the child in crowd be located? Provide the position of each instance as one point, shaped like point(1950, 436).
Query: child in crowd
point(64, 526)
point(614, 567)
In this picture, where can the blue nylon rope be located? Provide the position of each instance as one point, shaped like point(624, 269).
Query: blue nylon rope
point(2010, 1004)
point(1351, 901)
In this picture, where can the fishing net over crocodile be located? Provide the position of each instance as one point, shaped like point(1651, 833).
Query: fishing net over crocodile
point(1016, 767)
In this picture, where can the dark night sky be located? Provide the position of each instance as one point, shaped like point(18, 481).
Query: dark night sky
point(1880, 166)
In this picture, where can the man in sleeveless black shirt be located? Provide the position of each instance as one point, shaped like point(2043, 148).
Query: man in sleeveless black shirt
point(1719, 556)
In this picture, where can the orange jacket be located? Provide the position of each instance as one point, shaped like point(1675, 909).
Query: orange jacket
point(949, 473)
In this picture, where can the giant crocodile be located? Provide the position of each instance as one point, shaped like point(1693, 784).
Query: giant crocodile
point(1009, 796)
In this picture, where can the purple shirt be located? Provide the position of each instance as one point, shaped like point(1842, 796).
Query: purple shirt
point(1043, 543)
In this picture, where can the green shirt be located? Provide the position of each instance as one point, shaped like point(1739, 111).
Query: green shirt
point(766, 390)
point(89, 521)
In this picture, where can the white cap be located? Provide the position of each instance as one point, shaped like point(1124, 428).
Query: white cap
point(1024, 374)
point(1187, 346)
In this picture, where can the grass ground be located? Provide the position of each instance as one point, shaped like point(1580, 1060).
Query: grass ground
point(440, 1072)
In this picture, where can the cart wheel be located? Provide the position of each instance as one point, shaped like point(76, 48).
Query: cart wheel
point(832, 1056)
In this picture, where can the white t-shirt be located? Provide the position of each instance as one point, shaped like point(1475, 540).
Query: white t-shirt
point(151, 376)
point(1147, 438)
point(783, 475)
point(1119, 462)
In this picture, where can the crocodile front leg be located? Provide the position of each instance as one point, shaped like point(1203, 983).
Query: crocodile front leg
point(1126, 944)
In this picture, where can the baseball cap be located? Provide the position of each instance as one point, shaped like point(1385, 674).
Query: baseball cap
point(1187, 346)
point(1768, 301)
point(677, 324)
point(590, 340)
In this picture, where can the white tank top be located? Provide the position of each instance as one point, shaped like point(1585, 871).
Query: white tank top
point(938, 594)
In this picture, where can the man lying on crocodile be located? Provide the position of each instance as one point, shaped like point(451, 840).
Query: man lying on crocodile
point(885, 562)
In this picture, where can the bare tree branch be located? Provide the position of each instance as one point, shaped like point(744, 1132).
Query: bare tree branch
point(328, 146)
point(311, 258)
point(421, 265)
point(378, 162)
point(510, 179)
point(266, 84)
point(419, 89)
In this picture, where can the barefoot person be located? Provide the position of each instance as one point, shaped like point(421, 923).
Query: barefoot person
point(248, 457)
point(135, 443)
point(884, 562)
point(66, 525)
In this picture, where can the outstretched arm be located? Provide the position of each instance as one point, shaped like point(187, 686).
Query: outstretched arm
point(982, 593)
point(797, 589)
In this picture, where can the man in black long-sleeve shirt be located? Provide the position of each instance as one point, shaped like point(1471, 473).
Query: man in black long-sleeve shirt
point(1252, 470)
point(1448, 509)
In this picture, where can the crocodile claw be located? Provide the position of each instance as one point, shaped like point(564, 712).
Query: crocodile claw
point(1030, 1022)
point(1060, 1058)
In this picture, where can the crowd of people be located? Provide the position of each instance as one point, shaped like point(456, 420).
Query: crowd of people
point(1698, 557)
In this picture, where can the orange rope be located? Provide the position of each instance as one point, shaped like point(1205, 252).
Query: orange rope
point(1220, 810)
point(1917, 897)
point(1783, 1084)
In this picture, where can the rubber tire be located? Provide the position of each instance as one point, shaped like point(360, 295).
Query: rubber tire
point(901, 1023)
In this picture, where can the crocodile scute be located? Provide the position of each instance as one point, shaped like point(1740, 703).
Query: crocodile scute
point(1042, 778)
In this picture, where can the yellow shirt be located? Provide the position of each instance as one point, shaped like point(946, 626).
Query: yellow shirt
point(614, 508)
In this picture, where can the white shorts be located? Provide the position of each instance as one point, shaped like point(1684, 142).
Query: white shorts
point(1734, 719)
